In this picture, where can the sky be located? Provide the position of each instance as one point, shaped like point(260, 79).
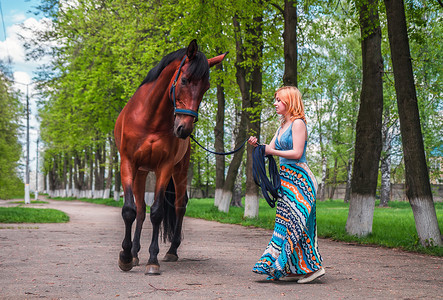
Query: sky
point(15, 12)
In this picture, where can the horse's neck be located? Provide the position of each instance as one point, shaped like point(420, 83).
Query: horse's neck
point(155, 99)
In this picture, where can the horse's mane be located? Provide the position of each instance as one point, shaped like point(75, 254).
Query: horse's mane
point(198, 69)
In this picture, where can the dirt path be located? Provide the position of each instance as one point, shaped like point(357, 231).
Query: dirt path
point(78, 260)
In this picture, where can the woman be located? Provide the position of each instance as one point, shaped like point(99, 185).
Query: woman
point(292, 250)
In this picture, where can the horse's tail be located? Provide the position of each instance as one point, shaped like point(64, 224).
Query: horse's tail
point(169, 217)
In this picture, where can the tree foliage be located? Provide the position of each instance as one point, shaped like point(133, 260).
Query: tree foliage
point(11, 111)
point(102, 50)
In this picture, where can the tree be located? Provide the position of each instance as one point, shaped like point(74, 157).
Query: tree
point(101, 51)
point(290, 43)
point(331, 82)
point(385, 160)
point(10, 148)
point(368, 142)
point(255, 33)
point(242, 73)
point(219, 134)
point(417, 177)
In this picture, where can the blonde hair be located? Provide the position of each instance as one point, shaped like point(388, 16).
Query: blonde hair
point(291, 97)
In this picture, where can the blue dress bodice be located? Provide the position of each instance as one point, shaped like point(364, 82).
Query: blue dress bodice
point(285, 143)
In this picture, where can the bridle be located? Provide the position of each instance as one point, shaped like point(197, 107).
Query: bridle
point(182, 111)
point(189, 112)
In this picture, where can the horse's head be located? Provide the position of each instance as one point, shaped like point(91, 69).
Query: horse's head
point(189, 84)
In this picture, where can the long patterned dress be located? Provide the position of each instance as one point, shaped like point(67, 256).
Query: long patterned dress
point(293, 246)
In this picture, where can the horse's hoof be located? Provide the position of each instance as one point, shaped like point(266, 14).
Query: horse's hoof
point(123, 264)
point(170, 257)
point(135, 261)
point(152, 270)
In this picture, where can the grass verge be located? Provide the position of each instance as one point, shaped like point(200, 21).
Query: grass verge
point(106, 201)
point(393, 226)
point(20, 214)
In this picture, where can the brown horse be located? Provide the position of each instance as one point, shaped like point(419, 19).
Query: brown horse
point(152, 134)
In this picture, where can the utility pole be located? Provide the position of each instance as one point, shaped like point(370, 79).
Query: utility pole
point(27, 198)
point(36, 172)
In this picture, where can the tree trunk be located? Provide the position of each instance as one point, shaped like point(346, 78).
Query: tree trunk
point(256, 33)
point(206, 191)
point(45, 185)
point(348, 181)
point(108, 185)
point(324, 161)
point(290, 43)
point(228, 187)
point(71, 177)
point(117, 180)
point(418, 189)
point(64, 191)
point(150, 188)
point(244, 86)
point(333, 183)
point(52, 177)
point(219, 133)
point(198, 182)
point(237, 191)
point(385, 189)
point(385, 161)
point(79, 175)
point(368, 132)
point(99, 170)
point(76, 175)
point(322, 188)
point(89, 160)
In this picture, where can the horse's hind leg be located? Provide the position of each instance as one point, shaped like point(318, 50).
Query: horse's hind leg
point(180, 210)
point(139, 193)
point(180, 181)
point(128, 213)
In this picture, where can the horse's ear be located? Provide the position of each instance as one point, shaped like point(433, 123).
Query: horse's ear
point(192, 49)
point(216, 60)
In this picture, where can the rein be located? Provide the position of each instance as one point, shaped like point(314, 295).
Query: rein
point(260, 177)
point(269, 189)
point(182, 111)
point(219, 153)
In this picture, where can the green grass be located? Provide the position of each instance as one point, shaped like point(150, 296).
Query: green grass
point(20, 214)
point(106, 201)
point(205, 209)
point(393, 226)
point(32, 202)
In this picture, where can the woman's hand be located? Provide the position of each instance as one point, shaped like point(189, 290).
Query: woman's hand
point(253, 141)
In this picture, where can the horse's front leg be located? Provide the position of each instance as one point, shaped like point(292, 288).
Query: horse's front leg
point(139, 193)
point(156, 215)
point(180, 177)
point(128, 214)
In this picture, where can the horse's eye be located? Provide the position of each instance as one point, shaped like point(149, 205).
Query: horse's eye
point(184, 81)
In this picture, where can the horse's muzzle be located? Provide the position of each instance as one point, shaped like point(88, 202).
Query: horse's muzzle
point(183, 126)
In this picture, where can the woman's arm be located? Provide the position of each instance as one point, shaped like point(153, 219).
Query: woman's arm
point(299, 135)
point(254, 141)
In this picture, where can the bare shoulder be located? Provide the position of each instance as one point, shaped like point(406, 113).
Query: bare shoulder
point(299, 129)
point(298, 124)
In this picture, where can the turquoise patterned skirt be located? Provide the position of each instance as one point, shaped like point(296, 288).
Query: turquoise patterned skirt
point(293, 246)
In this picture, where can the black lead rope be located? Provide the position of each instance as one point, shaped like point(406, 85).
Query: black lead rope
point(259, 171)
point(219, 153)
point(260, 177)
